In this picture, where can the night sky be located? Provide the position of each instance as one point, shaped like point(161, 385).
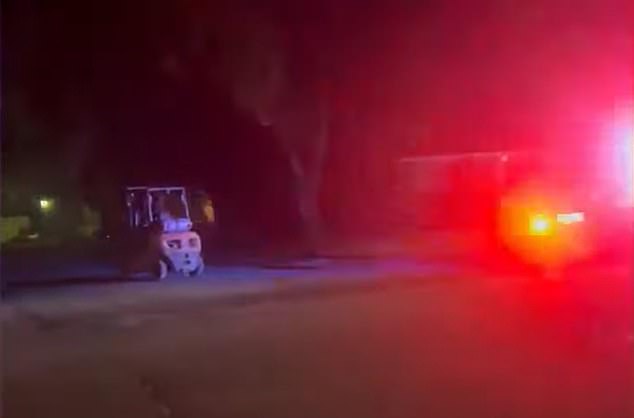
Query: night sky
point(126, 92)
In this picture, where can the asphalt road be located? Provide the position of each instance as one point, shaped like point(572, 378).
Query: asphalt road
point(458, 344)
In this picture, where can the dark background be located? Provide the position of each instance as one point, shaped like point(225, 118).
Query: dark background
point(101, 94)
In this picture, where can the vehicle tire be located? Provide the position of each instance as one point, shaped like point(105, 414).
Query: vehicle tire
point(160, 270)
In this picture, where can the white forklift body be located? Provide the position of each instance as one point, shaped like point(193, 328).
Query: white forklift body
point(168, 243)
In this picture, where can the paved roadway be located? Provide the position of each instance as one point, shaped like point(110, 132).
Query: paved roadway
point(369, 341)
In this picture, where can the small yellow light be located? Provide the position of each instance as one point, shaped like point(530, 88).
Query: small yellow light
point(539, 225)
point(46, 205)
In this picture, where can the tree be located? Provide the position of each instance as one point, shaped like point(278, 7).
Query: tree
point(271, 80)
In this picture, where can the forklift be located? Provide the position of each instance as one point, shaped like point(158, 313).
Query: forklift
point(158, 236)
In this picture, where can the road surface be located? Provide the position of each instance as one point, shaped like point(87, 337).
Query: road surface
point(459, 344)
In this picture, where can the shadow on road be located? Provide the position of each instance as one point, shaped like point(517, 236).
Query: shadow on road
point(76, 281)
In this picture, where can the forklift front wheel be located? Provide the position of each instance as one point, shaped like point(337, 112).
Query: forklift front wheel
point(200, 267)
point(160, 270)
